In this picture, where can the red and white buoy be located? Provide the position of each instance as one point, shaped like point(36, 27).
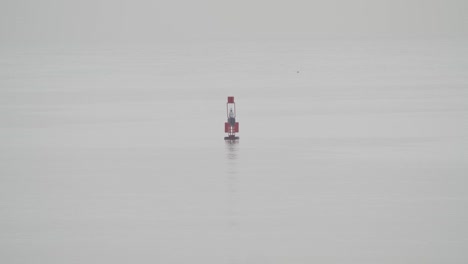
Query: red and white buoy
point(231, 126)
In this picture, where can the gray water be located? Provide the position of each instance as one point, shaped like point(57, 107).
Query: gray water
point(349, 152)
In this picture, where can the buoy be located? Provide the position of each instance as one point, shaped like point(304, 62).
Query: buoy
point(231, 127)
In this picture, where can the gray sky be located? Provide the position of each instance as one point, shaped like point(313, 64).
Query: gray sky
point(146, 20)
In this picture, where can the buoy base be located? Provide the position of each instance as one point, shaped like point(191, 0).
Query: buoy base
point(231, 137)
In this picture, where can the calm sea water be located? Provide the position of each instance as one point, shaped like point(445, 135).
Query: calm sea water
point(349, 152)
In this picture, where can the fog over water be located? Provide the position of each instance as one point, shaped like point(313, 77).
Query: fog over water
point(353, 131)
point(349, 152)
